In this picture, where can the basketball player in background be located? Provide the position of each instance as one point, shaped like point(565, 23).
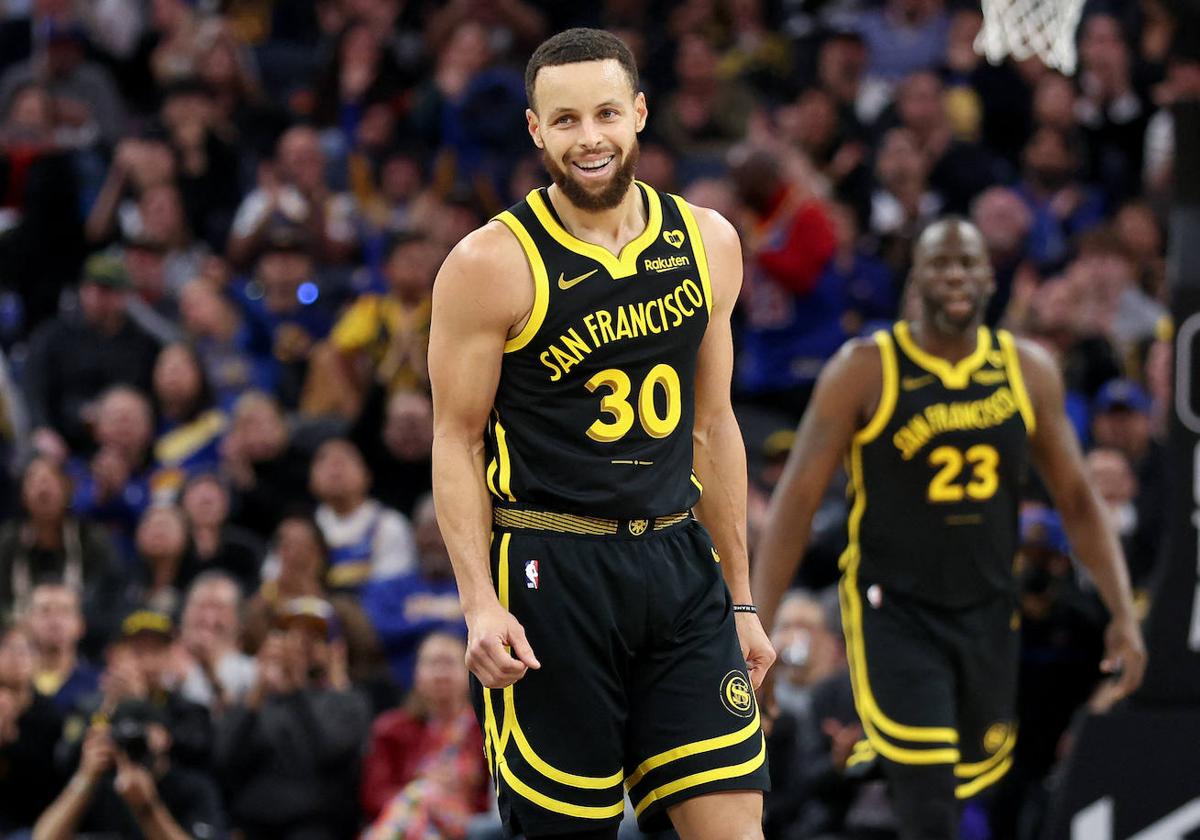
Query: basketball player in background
point(939, 419)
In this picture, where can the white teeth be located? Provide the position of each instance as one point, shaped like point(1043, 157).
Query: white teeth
point(600, 164)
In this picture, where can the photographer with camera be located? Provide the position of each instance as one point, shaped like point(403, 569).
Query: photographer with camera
point(289, 755)
point(127, 787)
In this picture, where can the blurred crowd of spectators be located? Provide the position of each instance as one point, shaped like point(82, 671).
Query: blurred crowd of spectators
point(227, 603)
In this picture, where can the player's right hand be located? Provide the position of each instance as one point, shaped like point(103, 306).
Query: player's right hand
point(492, 632)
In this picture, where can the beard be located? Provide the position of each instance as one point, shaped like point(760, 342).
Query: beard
point(950, 324)
point(608, 195)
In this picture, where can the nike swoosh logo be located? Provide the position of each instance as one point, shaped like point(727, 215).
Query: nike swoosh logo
point(989, 377)
point(566, 284)
point(912, 383)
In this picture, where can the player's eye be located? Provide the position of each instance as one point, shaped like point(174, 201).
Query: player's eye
point(608, 113)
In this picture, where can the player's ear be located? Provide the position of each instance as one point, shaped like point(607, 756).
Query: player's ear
point(639, 109)
point(531, 121)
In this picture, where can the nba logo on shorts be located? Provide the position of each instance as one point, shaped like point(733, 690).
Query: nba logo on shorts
point(531, 574)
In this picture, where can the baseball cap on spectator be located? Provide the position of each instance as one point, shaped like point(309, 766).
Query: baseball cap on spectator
point(1041, 528)
point(1121, 394)
point(106, 270)
point(314, 613)
point(147, 623)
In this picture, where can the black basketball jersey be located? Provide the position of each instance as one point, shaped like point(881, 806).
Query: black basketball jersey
point(935, 475)
point(594, 410)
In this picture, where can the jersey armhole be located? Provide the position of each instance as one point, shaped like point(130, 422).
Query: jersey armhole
point(1012, 362)
point(891, 389)
point(541, 283)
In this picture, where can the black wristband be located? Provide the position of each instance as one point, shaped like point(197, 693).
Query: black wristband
point(746, 608)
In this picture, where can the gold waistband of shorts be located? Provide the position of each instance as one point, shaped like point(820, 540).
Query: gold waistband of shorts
point(570, 523)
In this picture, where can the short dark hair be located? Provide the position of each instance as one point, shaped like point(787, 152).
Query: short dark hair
point(575, 45)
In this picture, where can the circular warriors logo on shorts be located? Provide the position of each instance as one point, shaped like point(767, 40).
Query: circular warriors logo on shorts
point(995, 737)
point(736, 694)
point(637, 527)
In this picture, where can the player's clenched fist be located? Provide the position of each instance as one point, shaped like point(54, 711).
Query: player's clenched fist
point(492, 632)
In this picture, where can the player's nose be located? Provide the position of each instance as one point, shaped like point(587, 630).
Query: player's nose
point(589, 134)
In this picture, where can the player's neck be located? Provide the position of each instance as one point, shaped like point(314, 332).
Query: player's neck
point(953, 346)
point(611, 229)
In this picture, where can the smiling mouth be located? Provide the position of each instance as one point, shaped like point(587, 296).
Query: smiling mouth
point(594, 167)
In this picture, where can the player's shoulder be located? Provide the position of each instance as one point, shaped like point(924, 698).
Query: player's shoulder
point(860, 355)
point(1038, 367)
point(851, 383)
point(489, 267)
point(1028, 349)
point(492, 246)
point(715, 229)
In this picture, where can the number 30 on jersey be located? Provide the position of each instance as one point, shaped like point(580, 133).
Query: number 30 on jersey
point(616, 403)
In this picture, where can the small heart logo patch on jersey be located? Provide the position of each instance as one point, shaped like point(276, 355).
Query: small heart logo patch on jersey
point(674, 237)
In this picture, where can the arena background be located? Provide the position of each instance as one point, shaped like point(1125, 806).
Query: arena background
point(219, 226)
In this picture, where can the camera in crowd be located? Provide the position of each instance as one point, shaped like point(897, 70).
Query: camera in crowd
point(130, 730)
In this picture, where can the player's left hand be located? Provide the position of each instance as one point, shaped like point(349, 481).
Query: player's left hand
point(756, 647)
point(1124, 652)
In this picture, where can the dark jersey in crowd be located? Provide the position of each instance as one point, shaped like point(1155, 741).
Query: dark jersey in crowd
point(190, 796)
point(937, 473)
point(29, 781)
point(594, 410)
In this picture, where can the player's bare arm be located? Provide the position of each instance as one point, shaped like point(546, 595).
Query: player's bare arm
point(719, 458)
point(1059, 460)
point(482, 295)
point(843, 401)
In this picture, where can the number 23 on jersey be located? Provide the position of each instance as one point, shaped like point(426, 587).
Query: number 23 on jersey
point(971, 474)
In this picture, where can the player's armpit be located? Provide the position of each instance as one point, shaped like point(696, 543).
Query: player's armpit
point(846, 393)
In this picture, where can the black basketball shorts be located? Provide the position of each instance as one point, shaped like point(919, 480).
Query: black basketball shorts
point(932, 685)
point(642, 686)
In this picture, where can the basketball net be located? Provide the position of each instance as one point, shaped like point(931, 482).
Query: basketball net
point(1027, 28)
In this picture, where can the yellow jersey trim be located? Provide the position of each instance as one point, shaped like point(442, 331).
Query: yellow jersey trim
point(693, 229)
point(868, 709)
point(587, 812)
point(505, 462)
point(349, 574)
point(694, 748)
point(954, 376)
point(969, 789)
point(863, 753)
point(513, 727)
point(541, 283)
point(891, 389)
point(1012, 361)
point(179, 444)
point(716, 774)
point(696, 482)
point(545, 768)
point(491, 477)
point(619, 266)
point(971, 771)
